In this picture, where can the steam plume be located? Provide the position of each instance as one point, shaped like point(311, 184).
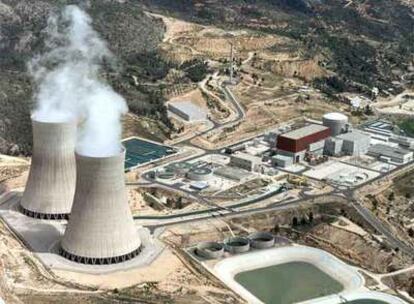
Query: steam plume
point(69, 86)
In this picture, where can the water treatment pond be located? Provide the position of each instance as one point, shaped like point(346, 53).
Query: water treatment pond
point(289, 283)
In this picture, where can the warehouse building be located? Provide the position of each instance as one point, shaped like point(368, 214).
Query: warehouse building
point(297, 142)
point(245, 161)
point(391, 154)
point(187, 111)
point(405, 142)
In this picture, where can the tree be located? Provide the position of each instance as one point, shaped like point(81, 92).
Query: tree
point(276, 228)
point(294, 221)
point(180, 203)
point(310, 217)
point(303, 221)
point(375, 204)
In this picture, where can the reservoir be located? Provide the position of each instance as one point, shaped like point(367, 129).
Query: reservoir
point(290, 283)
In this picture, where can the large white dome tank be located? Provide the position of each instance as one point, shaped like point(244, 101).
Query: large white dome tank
point(336, 122)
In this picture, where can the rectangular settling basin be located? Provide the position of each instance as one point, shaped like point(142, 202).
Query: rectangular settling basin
point(288, 283)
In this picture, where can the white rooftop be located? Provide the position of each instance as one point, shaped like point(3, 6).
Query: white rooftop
point(192, 110)
point(304, 131)
point(335, 116)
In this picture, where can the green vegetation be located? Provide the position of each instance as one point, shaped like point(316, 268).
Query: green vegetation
point(408, 126)
point(196, 70)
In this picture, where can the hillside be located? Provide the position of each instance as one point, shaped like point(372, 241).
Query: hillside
point(366, 43)
point(132, 36)
point(346, 46)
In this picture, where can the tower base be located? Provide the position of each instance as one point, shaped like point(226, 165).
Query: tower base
point(43, 216)
point(99, 261)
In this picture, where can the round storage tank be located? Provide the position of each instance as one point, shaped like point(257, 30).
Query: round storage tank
point(261, 240)
point(237, 245)
point(210, 250)
point(199, 174)
point(336, 122)
point(166, 175)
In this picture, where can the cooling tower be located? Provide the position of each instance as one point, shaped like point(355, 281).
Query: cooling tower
point(100, 228)
point(51, 184)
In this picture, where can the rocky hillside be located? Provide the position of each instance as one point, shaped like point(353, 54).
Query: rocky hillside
point(131, 34)
point(365, 43)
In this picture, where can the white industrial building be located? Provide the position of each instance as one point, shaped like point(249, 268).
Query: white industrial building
point(282, 161)
point(245, 161)
point(187, 111)
point(353, 143)
point(403, 141)
point(391, 154)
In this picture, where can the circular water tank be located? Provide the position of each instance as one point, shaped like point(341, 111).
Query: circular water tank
point(210, 250)
point(166, 175)
point(336, 122)
point(237, 245)
point(199, 174)
point(261, 240)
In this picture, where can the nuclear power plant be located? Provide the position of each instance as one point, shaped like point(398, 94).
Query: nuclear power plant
point(100, 228)
point(51, 183)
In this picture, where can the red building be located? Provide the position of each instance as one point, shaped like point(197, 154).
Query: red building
point(300, 139)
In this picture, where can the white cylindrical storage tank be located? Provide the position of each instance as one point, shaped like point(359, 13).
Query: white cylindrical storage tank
point(51, 183)
point(336, 122)
point(100, 228)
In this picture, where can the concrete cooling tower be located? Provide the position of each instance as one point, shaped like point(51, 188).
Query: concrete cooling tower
point(100, 228)
point(51, 184)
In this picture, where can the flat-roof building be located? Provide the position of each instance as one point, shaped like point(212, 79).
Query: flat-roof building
point(354, 143)
point(187, 111)
point(282, 161)
point(403, 141)
point(391, 154)
point(245, 161)
point(295, 143)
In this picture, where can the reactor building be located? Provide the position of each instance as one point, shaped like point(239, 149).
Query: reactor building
point(51, 184)
point(337, 122)
point(100, 228)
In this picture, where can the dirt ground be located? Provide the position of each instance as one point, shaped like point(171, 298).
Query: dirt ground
point(403, 282)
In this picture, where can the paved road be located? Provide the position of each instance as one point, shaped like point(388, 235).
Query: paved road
point(230, 211)
point(240, 115)
point(171, 220)
point(381, 228)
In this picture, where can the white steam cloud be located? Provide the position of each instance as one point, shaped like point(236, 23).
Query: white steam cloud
point(69, 86)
